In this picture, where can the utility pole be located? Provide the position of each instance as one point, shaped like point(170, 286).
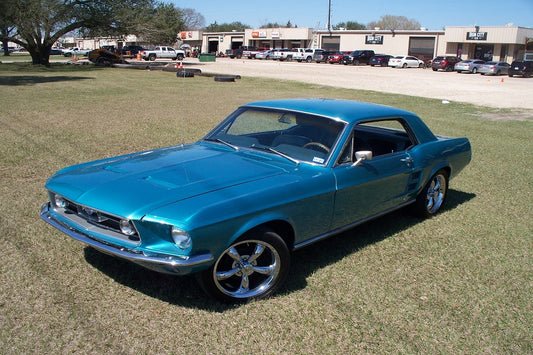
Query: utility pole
point(329, 16)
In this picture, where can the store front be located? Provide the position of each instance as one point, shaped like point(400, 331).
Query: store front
point(488, 43)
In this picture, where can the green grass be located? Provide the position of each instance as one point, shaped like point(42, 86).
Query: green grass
point(457, 283)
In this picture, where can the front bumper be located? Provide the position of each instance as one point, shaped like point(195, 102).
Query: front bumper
point(168, 264)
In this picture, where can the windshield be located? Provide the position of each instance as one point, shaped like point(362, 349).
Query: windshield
point(296, 136)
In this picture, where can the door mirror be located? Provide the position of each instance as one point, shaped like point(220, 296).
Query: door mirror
point(361, 156)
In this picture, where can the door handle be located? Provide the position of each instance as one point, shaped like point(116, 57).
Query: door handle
point(407, 161)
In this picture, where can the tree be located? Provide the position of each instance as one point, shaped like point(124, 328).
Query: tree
point(38, 24)
point(6, 22)
point(226, 27)
point(277, 25)
point(390, 22)
point(349, 25)
point(193, 20)
point(164, 25)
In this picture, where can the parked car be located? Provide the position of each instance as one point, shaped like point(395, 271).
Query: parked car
point(321, 55)
point(131, 50)
point(265, 54)
point(380, 59)
point(279, 53)
point(445, 63)
point(337, 58)
point(468, 66)
point(358, 57)
point(522, 68)
point(56, 51)
point(495, 68)
point(406, 61)
point(69, 52)
point(273, 177)
point(238, 53)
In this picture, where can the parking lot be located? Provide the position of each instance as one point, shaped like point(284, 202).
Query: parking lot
point(492, 91)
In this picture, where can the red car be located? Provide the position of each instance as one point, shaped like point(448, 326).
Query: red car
point(336, 58)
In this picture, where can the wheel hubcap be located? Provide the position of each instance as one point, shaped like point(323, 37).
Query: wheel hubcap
point(435, 193)
point(247, 269)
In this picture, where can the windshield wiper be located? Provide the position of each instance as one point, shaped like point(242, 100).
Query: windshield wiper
point(223, 142)
point(277, 152)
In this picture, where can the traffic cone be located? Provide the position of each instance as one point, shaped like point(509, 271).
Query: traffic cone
point(139, 56)
point(75, 58)
point(502, 80)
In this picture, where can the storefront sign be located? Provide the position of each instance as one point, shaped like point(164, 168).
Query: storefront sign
point(259, 34)
point(476, 36)
point(275, 34)
point(373, 39)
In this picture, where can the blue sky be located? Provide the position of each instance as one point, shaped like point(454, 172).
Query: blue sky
point(432, 14)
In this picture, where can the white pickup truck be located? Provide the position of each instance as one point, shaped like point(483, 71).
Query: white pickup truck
point(304, 54)
point(162, 52)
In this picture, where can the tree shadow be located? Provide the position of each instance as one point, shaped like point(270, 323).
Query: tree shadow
point(184, 291)
point(22, 80)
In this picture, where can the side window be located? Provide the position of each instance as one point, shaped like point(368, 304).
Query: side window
point(381, 137)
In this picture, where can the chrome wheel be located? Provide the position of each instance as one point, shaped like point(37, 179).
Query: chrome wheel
point(252, 267)
point(436, 192)
point(247, 269)
point(432, 197)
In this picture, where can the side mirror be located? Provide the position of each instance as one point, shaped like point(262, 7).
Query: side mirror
point(361, 156)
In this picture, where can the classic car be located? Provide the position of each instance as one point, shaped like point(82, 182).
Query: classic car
point(272, 177)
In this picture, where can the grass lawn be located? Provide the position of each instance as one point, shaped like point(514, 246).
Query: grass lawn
point(461, 282)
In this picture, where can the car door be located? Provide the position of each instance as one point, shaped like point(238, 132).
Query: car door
point(374, 186)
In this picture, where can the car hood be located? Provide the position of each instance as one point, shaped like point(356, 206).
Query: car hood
point(131, 186)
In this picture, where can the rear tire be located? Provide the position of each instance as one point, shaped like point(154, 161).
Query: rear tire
point(432, 197)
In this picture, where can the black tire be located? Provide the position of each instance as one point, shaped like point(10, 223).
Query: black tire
point(225, 79)
point(253, 267)
point(404, 65)
point(289, 58)
point(474, 70)
point(185, 74)
point(180, 57)
point(432, 197)
point(152, 57)
point(308, 59)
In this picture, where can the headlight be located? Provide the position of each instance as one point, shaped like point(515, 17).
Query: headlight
point(126, 227)
point(181, 238)
point(60, 201)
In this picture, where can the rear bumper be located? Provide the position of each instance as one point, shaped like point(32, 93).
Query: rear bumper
point(165, 263)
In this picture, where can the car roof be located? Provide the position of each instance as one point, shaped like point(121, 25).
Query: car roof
point(348, 111)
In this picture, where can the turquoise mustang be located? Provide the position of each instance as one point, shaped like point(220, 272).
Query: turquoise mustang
point(273, 177)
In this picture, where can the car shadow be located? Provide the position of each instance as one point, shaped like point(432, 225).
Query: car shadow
point(35, 79)
point(184, 291)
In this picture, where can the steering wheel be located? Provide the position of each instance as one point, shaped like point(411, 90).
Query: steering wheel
point(316, 144)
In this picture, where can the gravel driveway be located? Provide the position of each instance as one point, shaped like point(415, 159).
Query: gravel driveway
point(492, 91)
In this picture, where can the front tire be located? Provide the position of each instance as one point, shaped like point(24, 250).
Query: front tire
point(151, 57)
point(433, 196)
point(253, 267)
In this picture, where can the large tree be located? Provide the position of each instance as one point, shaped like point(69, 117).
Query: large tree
point(390, 22)
point(38, 24)
point(164, 25)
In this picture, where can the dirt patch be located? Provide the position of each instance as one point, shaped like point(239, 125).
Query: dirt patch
point(515, 115)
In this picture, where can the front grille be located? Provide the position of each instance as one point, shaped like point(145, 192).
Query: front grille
point(99, 219)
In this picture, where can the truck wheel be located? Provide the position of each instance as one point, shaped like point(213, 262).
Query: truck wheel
point(151, 57)
point(180, 57)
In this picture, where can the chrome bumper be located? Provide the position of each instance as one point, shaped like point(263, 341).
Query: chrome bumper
point(169, 264)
